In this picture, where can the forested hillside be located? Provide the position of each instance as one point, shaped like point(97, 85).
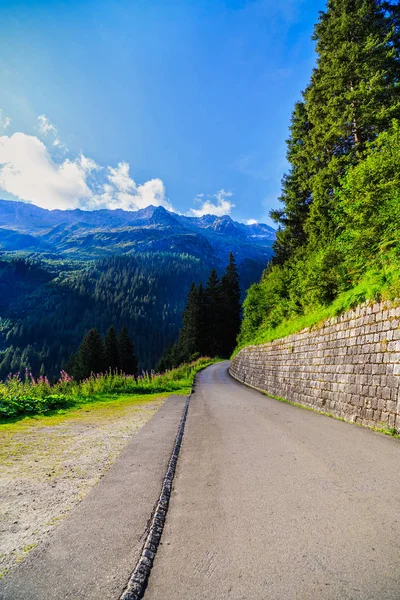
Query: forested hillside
point(211, 319)
point(46, 307)
point(63, 273)
point(339, 226)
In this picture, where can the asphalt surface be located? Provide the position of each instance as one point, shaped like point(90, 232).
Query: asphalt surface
point(92, 554)
point(273, 502)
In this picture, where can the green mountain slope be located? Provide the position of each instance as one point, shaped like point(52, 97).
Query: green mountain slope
point(338, 242)
point(47, 306)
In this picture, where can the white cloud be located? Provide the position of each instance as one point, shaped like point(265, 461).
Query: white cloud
point(252, 222)
point(4, 121)
point(28, 172)
point(121, 191)
point(220, 207)
point(88, 164)
point(120, 178)
point(45, 127)
point(31, 172)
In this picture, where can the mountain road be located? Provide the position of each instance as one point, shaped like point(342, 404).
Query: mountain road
point(274, 502)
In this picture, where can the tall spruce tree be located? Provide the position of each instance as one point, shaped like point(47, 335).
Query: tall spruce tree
point(213, 307)
point(353, 95)
point(296, 190)
point(127, 361)
point(201, 320)
point(192, 331)
point(111, 349)
point(90, 357)
point(231, 308)
point(211, 320)
point(191, 341)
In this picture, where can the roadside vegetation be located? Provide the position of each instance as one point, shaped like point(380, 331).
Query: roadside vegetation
point(22, 396)
point(338, 242)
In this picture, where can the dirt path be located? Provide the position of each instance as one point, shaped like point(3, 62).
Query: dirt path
point(48, 464)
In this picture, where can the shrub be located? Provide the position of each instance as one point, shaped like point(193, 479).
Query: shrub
point(28, 396)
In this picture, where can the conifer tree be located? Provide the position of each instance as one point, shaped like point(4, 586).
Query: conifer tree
point(127, 361)
point(201, 320)
point(16, 360)
point(353, 96)
point(211, 320)
point(111, 349)
point(213, 315)
point(167, 360)
point(7, 359)
point(231, 308)
point(296, 189)
point(192, 330)
point(90, 357)
point(337, 208)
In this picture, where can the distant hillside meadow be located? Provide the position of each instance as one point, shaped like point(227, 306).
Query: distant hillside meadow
point(65, 272)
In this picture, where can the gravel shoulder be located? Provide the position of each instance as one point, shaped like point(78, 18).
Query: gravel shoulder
point(49, 464)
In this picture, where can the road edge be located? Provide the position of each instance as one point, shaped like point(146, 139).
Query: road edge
point(381, 430)
point(137, 583)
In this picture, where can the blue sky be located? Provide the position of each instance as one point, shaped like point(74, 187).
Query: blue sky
point(181, 103)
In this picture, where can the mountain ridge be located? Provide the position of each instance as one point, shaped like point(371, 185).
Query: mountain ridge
point(99, 233)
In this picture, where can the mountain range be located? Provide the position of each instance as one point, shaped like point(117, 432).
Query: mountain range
point(97, 234)
point(64, 272)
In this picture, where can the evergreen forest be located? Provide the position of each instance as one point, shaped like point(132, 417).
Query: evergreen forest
point(48, 306)
point(211, 320)
point(338, 242)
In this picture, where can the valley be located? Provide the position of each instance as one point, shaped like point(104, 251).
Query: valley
point(64, 272)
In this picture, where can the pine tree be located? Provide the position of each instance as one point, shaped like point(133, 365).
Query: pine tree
point(127, 359)
point(16, 361)
point(90, 357)
point(213, 303)
point(296, 190)
point(353, 96)
point(111, 349)
point(192, 331)
point(167, 360)
point(201, 321)
point(231, 308)
point(5, 365)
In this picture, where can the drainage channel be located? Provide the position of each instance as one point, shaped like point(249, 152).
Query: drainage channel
point(138, 582)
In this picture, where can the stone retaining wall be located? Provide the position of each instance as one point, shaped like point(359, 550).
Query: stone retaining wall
point(349, 367)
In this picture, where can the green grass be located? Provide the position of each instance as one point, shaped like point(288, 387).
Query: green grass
point(97, 407)
point(22, 398)
point(376, 285)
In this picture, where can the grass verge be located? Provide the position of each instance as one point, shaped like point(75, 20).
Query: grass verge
point(374, 287)
point(26, 397)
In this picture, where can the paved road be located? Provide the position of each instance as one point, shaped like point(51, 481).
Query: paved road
point(92, 554)
point(273, 502)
